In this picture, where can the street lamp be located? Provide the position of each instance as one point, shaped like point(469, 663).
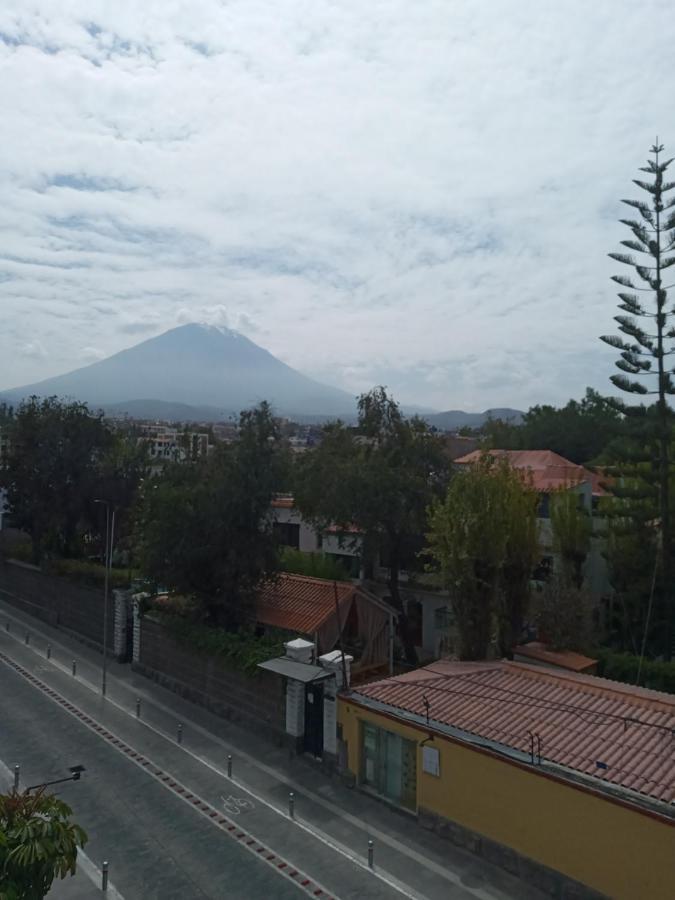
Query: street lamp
point(75, 775)
point(109, 538)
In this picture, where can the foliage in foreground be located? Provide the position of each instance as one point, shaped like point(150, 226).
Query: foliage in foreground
point(38, 843)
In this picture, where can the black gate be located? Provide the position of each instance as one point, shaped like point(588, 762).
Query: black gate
point(314, 719)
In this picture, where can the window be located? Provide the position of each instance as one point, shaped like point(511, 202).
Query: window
point(442, 618)
point(389, 765)
point(543, 512)
point(288, 534)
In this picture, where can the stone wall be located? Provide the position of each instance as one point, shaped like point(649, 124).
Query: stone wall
point(57, 601)
point(258, 701)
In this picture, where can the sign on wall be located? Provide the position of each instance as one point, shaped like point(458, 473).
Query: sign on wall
point(431, 761)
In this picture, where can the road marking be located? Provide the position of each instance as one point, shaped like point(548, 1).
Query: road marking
point(305, 825)
point(281, 866)
point(84, 863)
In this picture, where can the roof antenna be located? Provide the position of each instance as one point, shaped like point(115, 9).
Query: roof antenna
point(426, 706)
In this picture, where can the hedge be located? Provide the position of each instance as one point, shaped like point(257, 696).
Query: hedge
point(659, 676)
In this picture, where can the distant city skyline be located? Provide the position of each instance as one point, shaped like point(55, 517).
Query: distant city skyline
point(417, 196)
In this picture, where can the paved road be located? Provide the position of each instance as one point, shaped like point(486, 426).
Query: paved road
point(156, 845)
point(333, 823)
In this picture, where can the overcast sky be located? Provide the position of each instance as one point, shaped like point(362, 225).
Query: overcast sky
point(415, 194)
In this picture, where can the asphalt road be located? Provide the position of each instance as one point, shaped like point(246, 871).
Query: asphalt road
point(157, 846)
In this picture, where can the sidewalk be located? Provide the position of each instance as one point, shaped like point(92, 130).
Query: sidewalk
point(343, 817)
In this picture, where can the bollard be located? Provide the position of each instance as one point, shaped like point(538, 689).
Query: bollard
point(291, 805)
point(138, 707)
point(27, 638)
point(371, 855)
point(17, 769)
point(229, 765)
point(49, 651)
point(104, 875)
point(180, 734)
point(74, 667)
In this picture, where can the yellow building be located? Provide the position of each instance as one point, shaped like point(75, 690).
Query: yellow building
point(563, 779)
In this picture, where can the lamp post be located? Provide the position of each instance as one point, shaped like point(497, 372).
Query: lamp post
point(75, 775)
point(109, 538)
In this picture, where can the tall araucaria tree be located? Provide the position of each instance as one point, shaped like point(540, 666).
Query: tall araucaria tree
point(646, 351)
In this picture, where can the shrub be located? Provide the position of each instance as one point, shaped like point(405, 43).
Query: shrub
point(89, 573)
point(243, 650)
point(660, 676)
point(316, 565)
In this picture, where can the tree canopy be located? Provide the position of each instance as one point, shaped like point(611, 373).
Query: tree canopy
point(374, 483)
point(646, 347)
point(579, 431)
point(203, 528)
point(483, 540)
point(61, 458)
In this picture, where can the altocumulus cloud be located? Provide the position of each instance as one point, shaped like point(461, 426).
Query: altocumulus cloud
point(416, 194)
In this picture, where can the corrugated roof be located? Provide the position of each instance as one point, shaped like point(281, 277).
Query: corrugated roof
point(299, 603)
point(581, 720)
point(549, 470)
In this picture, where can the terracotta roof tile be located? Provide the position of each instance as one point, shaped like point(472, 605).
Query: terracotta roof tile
point(549, 470)
point(563, 659)
point(299, 603)
point(581, 720)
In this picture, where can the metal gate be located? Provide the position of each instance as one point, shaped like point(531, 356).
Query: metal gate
point(314, 719)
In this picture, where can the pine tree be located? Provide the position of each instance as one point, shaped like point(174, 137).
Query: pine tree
point(645, 352)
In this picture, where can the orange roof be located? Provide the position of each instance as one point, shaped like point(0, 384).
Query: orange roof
point(583, 721)
point(549, 470)
point(563, 659)
point(299, 603)
point(283, 502)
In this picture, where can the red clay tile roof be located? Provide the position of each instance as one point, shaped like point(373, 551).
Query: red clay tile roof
point(283, 502)
point(549, 470)
point(581, 720)
point(563, 659)
point(299, 603)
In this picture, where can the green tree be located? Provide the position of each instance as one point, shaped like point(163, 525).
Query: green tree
point(314, 565)
point(572, 531)
point(645, 351)
point(563, 615)
point(204, 529)
point(579, 431)
point(375, 482)
point(38, 843)
point(483, 539)
point(51, 471)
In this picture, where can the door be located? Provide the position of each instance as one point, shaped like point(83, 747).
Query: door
point(314, 719)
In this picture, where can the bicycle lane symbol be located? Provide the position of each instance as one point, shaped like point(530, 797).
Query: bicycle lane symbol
point(234, 805)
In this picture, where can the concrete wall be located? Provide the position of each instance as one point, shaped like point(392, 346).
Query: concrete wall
point(58, 601)
point(256, 701)
point(534, 825)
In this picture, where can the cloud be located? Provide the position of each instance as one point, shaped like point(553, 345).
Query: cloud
point(417, 195)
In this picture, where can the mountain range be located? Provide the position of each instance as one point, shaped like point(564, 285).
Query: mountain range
point(202, 373)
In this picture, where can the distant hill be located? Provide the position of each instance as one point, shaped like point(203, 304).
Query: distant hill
point(194, 366)
point(454, 419)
